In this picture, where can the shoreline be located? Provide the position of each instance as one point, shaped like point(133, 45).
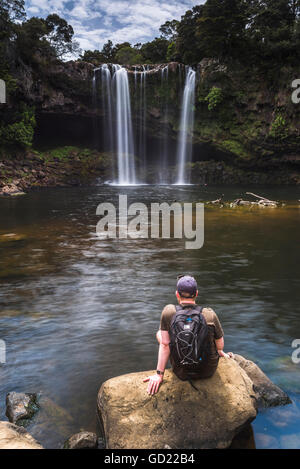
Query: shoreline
point(62, 167)
point(73, 166)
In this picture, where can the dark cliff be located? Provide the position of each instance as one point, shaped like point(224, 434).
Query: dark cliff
point(246, 125)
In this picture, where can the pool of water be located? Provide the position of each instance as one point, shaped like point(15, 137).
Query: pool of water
point(76, 310)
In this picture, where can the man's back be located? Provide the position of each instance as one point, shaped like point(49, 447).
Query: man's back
point(215, 332)
point(207, 355)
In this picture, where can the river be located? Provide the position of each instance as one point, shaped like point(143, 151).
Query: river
point(76, 310)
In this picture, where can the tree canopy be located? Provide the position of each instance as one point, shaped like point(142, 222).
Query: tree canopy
point(254, 31)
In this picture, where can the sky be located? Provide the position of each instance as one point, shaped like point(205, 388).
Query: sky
point(96, 21)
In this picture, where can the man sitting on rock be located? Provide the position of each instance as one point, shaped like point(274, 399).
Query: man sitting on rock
point(192, 337)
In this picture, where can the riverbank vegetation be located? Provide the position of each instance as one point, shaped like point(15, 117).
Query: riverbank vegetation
point(59, 167)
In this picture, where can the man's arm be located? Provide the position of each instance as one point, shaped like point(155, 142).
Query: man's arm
point(163, 357)
point(220, 347)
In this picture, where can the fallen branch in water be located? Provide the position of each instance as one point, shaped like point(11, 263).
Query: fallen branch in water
point(263, 200)
point(217, 201)
point(237, 202)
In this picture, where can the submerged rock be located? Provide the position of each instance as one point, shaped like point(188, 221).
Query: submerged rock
point(179, 415)
point(82, 440)
point(52, 424)
point(267, 393)
point(20, 407)
point(14, 437)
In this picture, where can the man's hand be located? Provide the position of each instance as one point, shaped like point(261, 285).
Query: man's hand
point(154, 383)
point(225, 355)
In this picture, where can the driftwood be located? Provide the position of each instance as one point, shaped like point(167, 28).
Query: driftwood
point(261, 202)
point(217, 201)
point(241, 202)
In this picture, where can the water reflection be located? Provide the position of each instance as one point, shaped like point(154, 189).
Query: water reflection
point(75, 310)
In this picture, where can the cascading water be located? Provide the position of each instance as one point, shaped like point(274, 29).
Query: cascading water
point(164, 107)
point(107, 107)
point(142, 118)
point(117, 126)
point(125, 146)
point(184, 152)
point(117, 135)
point(94, 97)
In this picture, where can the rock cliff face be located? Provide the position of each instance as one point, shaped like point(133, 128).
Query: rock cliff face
point(253, 126)
point(208, 414)
point(65, 88)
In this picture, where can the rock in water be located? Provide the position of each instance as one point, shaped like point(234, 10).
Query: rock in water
point(82, 440)
point(179, 416)
point(14, 437)
point(267, 393)
point(20, 406)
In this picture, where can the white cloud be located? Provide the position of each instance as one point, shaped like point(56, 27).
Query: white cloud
point(96, 21)
point(33, 10)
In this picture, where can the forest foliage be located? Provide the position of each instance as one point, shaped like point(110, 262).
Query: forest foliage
point(252, 31)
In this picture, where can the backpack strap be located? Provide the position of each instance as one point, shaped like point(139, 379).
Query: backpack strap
point(189, 306)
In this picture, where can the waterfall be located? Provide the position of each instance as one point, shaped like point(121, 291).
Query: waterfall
point(94, 103)
point(107, 107)
point(184, 152)
point(142, 119)
point(164, 107)
point(116, 131)
point(125, 147)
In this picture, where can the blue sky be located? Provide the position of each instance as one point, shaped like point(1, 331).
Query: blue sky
point(96, 21)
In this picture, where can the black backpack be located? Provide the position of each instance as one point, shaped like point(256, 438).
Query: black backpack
point(188, 336)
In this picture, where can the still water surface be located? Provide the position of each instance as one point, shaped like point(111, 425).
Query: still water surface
point(76, 310)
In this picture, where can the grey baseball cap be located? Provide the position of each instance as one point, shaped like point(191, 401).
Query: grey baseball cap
point(187, 285)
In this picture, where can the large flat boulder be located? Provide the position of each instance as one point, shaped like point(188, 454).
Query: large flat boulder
point(179, 416)
point(14, 437)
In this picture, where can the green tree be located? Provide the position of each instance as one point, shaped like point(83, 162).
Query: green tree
point(20, 133)
point(271, 28)
point(92, 56)
point(214, 98)
point(31, 39)
point(108, 51)
point(50, 38)
point(168, 30)
point(10, 12)
point(155, 51)
point(172, 54)
point(221, 28)
point(279, 128)
point(60, 36)
point(128, 56)
point(188, 47)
